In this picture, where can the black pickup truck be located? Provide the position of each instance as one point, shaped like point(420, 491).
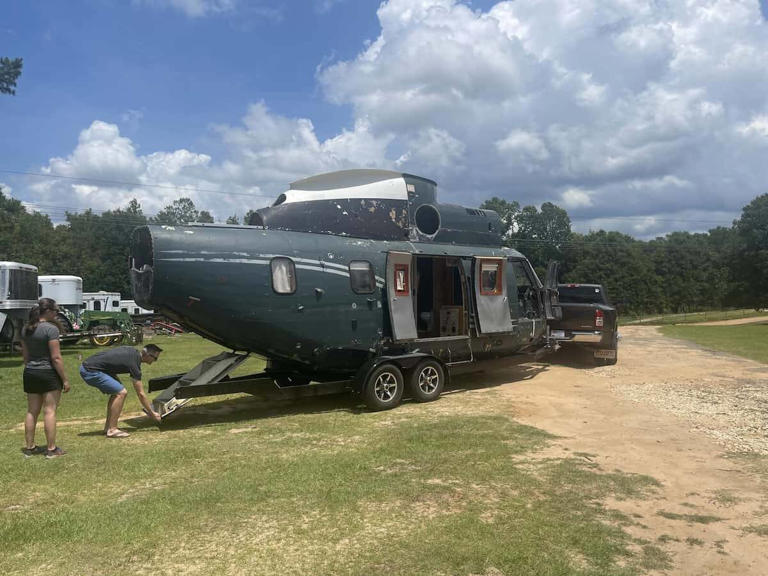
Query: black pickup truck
point(588, 320)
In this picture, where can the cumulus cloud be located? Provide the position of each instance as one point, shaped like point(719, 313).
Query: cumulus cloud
point(643, 115)
point(547, 97)
point(104, 172)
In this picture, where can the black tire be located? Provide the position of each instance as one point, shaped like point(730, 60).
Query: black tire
point(383, 388)
point(426, 381)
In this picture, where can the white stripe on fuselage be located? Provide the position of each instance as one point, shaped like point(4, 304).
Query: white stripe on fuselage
point(317, 268)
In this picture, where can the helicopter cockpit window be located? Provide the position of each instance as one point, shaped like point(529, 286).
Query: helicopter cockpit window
point(361, 277)
point(283, 275)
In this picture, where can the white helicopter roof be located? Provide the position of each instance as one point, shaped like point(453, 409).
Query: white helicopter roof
point(345, 184)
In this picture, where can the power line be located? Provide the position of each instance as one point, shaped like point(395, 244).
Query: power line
point(134, 184)
point(252, 195)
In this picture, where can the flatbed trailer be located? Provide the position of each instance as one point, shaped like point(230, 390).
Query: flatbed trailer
point(211, 378)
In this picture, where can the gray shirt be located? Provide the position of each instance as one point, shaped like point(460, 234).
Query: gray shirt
point(120, 360)
point(38, 353)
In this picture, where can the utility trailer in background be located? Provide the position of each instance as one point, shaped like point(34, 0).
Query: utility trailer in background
point(18, 294)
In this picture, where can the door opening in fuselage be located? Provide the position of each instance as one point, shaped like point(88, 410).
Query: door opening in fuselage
point(440, 298)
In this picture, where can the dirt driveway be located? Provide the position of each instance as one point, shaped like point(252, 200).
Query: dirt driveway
point(680, 414)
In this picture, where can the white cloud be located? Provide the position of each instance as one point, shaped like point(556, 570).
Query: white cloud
point(614, 108)
point(553, 95)
point(576, 198)
point(523, 144)
point(757, 126)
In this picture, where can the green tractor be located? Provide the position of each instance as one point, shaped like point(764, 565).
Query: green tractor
point(101, 328)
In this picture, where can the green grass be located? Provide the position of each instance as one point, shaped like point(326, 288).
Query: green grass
point(690, 317)
point(747, 340)
point(234, 485)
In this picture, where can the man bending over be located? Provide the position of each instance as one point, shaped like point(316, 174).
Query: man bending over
point(101, 370)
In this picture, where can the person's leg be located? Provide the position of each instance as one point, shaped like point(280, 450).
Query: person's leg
point(115, 408)
point(50, 403)
point(110, 402)
point(111, 386)
point(34, 403)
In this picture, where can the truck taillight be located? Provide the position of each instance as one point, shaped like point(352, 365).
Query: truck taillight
point(598, 318)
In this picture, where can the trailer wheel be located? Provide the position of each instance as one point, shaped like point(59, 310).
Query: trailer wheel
point(427, 381)
point(383, 387)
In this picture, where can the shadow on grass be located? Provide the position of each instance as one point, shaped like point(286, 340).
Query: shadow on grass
point(246, 408)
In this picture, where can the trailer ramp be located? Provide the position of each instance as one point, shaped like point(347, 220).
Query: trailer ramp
point(206, 374)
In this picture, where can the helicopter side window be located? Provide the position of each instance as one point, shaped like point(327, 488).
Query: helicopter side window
point(361, 277)
point(490, 278)
point(283, 275)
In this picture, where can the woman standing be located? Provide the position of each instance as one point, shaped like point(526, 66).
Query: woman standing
point(44, 377)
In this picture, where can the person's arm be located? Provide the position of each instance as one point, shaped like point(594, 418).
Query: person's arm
point(54, 348)
point(24, 352)
point(139, 387)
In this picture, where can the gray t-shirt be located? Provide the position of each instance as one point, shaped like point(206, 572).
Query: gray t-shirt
point(37, 346)
point(120, 360)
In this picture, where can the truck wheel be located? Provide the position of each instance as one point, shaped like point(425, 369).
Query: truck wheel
point(427, 381)
point(383, 388)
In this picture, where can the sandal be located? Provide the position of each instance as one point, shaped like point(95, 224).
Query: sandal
point(34, 451)
point(55, 453)
point(119, 434)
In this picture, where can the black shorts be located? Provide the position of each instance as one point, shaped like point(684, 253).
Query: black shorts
point(41, 381)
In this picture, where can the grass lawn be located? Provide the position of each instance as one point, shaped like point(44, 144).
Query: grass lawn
point(235, 486)
point(747, 340)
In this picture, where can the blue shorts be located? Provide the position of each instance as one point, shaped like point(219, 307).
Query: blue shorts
point(104, 382)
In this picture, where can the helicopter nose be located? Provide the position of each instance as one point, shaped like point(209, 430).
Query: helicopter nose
point(141, 263)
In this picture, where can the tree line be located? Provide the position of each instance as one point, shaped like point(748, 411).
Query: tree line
point(723, 268)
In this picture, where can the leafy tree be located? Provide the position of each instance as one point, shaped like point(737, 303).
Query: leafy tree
point(96, 247)
point(752, 229)
point(233, 219)
point(507, 211)
point(10, 70)
point(248, 215)
point(180, 211)
point(541, 234)
point(618, 262)
point(25, 237)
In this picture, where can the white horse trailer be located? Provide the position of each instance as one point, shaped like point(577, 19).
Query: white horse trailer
point(102, 301)
point(134, 309)
point(66, 290)
point(18, 294)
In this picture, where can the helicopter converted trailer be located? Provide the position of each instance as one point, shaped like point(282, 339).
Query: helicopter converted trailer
point(357, 276)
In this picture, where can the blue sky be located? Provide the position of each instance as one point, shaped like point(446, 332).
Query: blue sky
point(104, 59)
point(646, 116)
